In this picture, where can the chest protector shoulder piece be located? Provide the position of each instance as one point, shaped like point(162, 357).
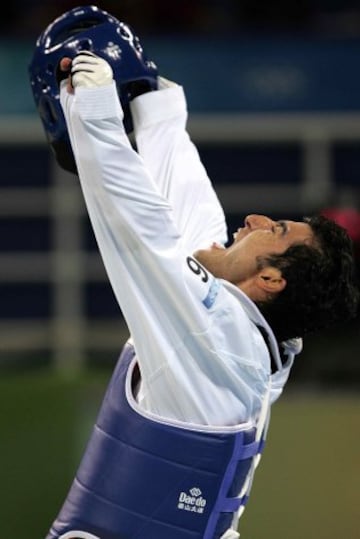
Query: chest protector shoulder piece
point(141, 478)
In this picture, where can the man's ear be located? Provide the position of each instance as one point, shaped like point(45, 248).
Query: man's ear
point(270, 280)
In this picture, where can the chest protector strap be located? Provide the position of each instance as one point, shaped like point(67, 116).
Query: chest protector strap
point(141, 478)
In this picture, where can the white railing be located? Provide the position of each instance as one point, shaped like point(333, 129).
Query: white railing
point(68, 334)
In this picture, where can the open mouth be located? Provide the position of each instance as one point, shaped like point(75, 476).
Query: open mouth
point(215, 245)
point(239, 234)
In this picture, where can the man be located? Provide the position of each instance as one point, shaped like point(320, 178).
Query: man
point(184, 419)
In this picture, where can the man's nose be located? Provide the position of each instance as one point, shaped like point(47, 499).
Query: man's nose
point(255, 221)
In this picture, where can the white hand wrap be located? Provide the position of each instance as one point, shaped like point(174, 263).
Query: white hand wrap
point(88, 70)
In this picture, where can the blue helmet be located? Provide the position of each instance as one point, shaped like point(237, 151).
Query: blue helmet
point(86, 28)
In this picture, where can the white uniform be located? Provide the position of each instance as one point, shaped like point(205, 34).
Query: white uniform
point(203, 360)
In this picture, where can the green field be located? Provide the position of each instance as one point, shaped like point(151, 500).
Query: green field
point(306, 486)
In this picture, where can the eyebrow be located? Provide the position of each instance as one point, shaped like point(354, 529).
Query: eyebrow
point(284, 227)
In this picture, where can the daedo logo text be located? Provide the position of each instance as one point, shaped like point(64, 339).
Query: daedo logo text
point(192, 501)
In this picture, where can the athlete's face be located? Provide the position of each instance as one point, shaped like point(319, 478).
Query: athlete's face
point(259, 237)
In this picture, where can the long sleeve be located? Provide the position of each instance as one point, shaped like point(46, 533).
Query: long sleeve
point(169, 154)
point(200, 358)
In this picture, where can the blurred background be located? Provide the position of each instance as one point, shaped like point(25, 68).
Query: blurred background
point(274, 99)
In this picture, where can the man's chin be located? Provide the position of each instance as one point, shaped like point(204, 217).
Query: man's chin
point(210, 259)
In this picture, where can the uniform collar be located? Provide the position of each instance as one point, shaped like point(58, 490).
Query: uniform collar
point(257, 318)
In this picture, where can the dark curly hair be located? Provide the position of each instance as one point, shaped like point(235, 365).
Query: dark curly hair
point(321, 283)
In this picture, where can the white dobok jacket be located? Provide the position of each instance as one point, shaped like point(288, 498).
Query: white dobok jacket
point(202, 357)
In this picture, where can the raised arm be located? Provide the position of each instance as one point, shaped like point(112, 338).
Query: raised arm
point(159, 119)
point(132, 221)
point(188, 330)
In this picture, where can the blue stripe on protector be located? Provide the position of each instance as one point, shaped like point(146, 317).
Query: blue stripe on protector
point(213, 292)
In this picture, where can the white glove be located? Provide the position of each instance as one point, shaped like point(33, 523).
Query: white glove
point(163, 83)
point(89, 71)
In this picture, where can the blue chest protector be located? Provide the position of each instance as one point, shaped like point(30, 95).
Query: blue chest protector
point(144, 479)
